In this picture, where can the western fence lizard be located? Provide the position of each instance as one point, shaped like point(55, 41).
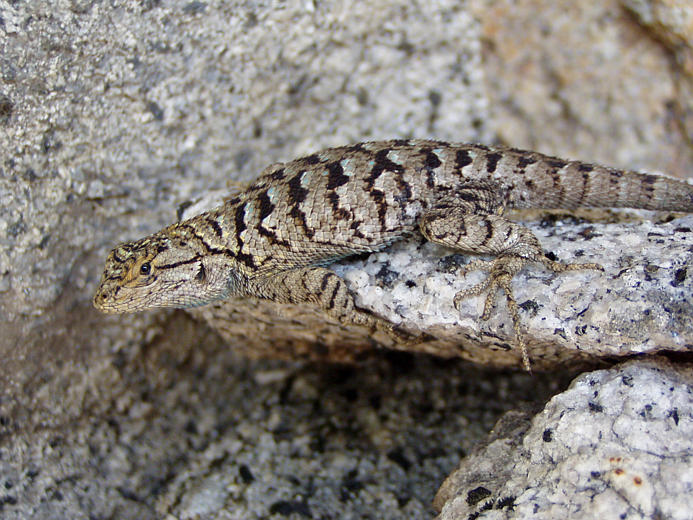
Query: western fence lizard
point(274, 240)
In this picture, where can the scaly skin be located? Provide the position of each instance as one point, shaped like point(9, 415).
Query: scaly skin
point(273, 240)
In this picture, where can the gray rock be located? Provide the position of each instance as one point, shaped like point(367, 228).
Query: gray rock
point(579, 77)
point(186, 426)
point(113, 114)
point(670, 22)
point(616, 444)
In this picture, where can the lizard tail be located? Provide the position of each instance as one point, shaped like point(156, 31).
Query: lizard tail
point(573, 184)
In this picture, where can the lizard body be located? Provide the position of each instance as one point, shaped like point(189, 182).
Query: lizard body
point(274, 240)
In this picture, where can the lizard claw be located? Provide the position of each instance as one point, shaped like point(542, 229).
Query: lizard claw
point(558, 267)
point(501, 272)
point(474, 290)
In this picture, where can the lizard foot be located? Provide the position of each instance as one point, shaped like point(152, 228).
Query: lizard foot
point(399, 335)
point(501, 272)
point(402, 337)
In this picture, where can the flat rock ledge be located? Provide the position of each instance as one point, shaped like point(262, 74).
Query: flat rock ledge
point(641, 303)
point(616, 444)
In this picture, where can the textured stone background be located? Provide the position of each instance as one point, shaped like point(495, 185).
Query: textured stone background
point(113, 114)
point(615, 444)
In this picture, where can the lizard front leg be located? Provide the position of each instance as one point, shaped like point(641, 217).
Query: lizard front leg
point(322, 288)
point(466, 227)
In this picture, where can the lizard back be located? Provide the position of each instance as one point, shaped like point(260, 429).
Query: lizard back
point(361, 198)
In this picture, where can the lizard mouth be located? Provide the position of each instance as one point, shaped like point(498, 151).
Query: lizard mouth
point(105, 299)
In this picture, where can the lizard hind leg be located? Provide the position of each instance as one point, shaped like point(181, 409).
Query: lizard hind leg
point(513, 245)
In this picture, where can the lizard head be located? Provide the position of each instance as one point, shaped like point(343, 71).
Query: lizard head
point(167, 269)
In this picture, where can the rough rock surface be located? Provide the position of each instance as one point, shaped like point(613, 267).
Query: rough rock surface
point(616, 444)
point(671, 23)
point(114, 113)
point(575, 77)
point(186, 428)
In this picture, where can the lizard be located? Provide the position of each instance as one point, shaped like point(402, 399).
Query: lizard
point(274, 240)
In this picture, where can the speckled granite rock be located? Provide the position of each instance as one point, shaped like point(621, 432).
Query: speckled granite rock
point(186, 426)
point(616, 444)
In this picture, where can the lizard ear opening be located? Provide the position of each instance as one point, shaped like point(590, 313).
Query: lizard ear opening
point(201, 274)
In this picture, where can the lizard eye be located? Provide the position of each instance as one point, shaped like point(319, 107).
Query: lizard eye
point(145, 268)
